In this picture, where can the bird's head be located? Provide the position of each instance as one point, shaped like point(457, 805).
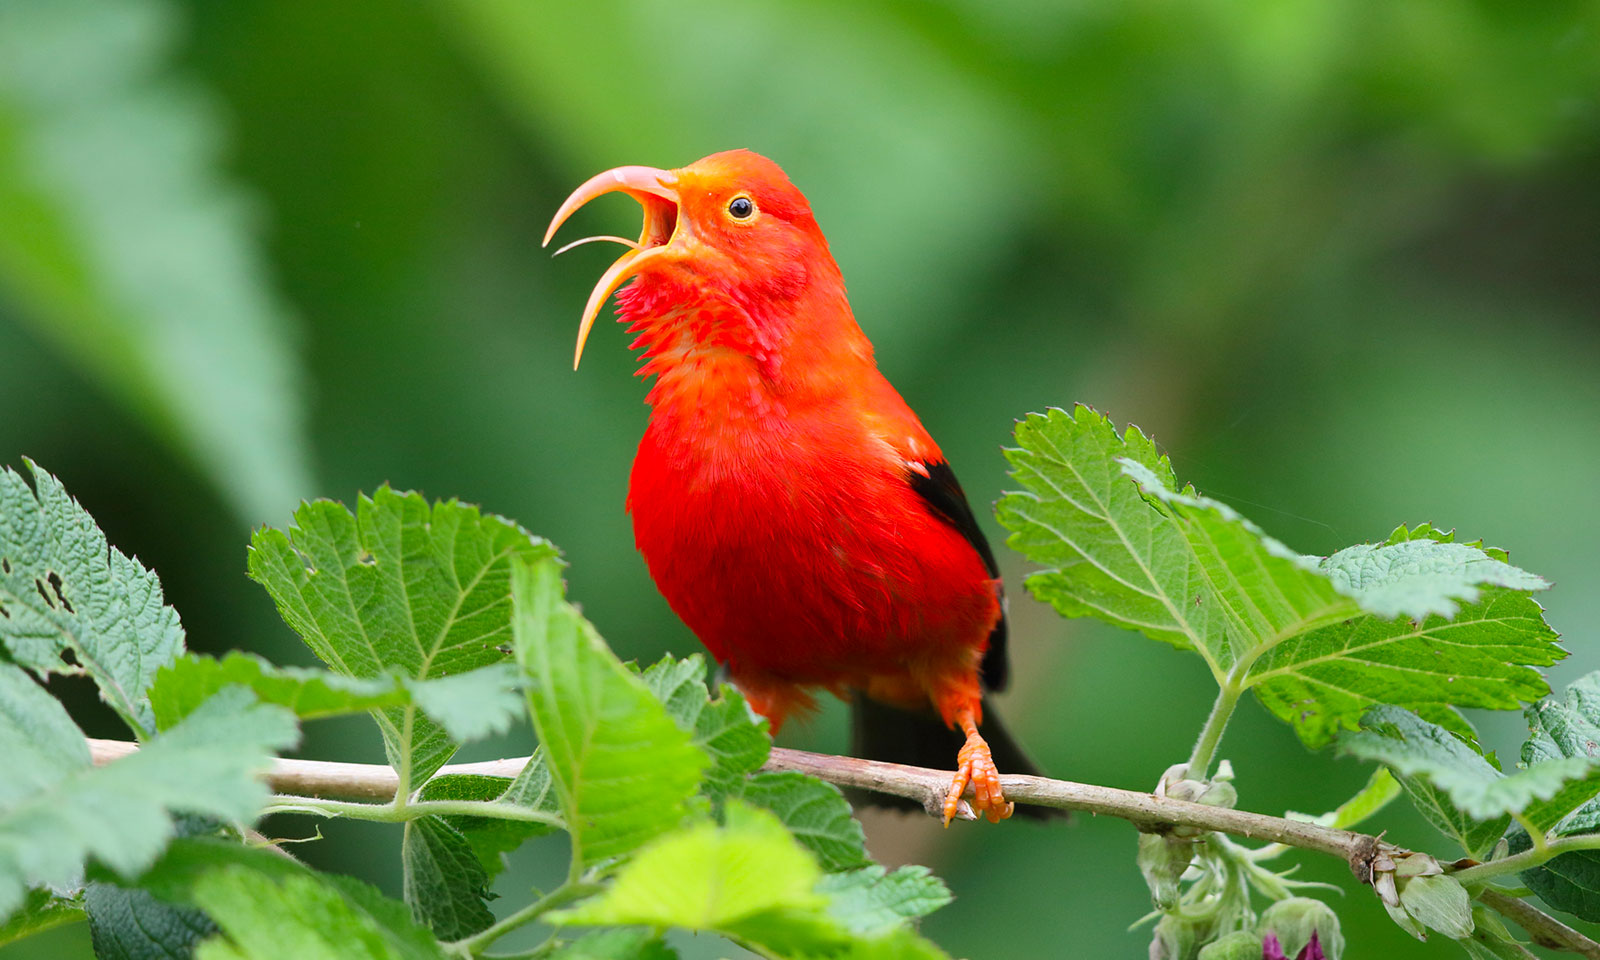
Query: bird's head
point(729, 227)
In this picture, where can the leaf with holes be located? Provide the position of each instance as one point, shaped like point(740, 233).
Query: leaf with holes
point(400, 586)
point(70, 603)
point(1420, 620)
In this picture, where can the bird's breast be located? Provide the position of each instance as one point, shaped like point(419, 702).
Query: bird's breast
point(793, 546)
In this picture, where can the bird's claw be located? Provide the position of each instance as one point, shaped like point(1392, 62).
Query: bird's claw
point(975, 766)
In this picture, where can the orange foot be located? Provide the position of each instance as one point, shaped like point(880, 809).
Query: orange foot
point(975, 765)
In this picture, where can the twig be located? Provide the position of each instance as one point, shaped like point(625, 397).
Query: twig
point(1148, 812)
point(1545, 930)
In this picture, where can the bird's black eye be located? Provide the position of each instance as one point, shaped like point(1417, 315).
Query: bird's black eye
point(740, 208)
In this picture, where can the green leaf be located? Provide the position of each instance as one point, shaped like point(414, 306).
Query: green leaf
point(311, 694)
point(445, 883)
point(40, 743)
point(750, 880)
point(490, 837)
point(249, 892)
point(263, 918)
point(472, 705)
point(621, 767)
point(1570, 882)
point(1317, 638)
point(121, 813)
point(615, 945)
point(1415, 575)
point(732, 735)
point(1563, 729)
point(124, 244)
point(534, 788)
point(871, 901)
point(1324, 680)
point(708, 877)
point(41, 911)
point(816, 813)
point(1439, 903)
point(1491, 940)
point(402, 587)
point(469, 706)
point(899, 945)
point(1475, 836)
point(70, 603)
point(131, 924)
point(1413, 747)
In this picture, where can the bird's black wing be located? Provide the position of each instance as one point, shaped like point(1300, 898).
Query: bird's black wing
point(944, 496)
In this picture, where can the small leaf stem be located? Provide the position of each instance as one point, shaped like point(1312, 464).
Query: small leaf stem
point(1528, 859)
point(560, 896)
point(395, 813)
point(1205, 747)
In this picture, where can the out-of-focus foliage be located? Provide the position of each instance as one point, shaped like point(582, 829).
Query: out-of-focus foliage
point(1338, 257)
point(123, 243)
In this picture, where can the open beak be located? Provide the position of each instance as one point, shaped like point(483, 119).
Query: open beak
point(656, 191)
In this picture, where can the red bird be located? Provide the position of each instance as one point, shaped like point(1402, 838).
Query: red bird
point(790, 506)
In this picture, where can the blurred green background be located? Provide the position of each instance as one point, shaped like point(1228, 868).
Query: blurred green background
point(1340, 258)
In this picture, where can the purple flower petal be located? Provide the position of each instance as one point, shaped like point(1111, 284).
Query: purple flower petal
point(1271, 949)
point(1313, 950)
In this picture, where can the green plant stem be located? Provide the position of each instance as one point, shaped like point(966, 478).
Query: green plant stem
point(1205, 748)
point(1527, 859)
point(560, 896)
point(396, 813)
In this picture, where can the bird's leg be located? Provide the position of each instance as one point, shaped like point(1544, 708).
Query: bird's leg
point(975, 765)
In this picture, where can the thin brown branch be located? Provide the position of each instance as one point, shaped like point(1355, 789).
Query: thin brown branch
point(1152, 814)
point(1147, 812)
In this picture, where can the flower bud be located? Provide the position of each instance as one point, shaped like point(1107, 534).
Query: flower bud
point(1178, 938)
point(1239, 945)
point(1219, 793)
point(1300, 928)
point(1163, 859)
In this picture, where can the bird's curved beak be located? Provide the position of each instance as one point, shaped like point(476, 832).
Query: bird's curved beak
point(656, 191)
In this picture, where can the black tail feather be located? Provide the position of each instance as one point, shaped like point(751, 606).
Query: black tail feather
point(921, 739)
